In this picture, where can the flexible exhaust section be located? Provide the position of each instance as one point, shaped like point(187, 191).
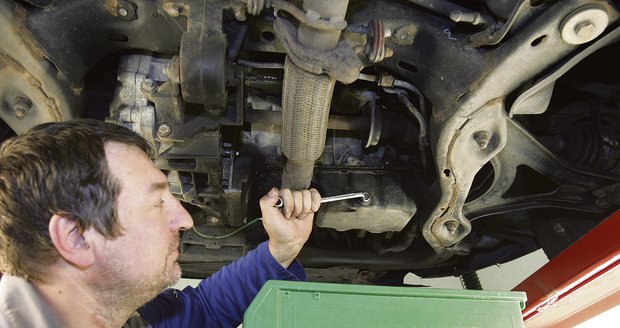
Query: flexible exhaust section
point(306, 98)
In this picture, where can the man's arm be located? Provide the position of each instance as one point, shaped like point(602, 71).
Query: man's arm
point(289, 228)
point(221, 300)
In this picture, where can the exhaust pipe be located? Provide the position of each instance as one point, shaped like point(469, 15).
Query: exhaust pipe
point(306, 98)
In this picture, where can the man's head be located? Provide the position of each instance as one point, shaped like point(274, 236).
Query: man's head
point(143, 259)
point(55, 168)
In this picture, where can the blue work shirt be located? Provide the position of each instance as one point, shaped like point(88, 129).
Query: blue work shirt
point(220, 300)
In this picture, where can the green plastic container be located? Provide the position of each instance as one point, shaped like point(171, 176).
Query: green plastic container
point(289, 304)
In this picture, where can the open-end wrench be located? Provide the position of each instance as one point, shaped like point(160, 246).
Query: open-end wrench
point(363, 195)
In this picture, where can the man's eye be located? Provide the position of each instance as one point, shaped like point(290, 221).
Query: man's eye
point(160, 203)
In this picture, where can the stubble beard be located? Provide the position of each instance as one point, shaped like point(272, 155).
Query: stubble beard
point(172, 272)
point(123, 293)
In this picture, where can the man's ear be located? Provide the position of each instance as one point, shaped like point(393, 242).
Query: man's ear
point(70, 242)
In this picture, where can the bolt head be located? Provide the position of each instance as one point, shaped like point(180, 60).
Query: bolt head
point(240, 14)
point(482, 138)
point(164, 130)
point(20, 112)
point(21, 106)
point(174, 10)
point(123, 12)
point(585, 29)
point(351, 160)
point(584, 25)
point(148, 85)
point(404, 36)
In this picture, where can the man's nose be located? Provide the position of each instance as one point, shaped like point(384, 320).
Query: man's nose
point(181, 220)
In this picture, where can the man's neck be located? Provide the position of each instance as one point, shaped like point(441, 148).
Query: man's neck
point(76, 304)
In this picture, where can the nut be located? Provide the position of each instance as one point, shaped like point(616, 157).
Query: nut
point(123, 12)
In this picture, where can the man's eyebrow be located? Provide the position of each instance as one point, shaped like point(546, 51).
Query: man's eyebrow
point(157, 186)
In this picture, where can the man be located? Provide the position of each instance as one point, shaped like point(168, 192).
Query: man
point(89, 233)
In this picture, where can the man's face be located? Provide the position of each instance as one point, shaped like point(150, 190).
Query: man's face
point(143, 260)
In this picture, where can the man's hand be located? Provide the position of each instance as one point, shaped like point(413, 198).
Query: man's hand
point(289, 227)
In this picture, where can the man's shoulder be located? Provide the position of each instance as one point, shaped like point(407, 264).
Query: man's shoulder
point(22, 306)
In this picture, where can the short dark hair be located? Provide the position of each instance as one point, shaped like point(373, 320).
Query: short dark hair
point(56, 168)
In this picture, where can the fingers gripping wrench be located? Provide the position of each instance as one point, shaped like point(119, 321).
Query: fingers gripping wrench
point(363, 195)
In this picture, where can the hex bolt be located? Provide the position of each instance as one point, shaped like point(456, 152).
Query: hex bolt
point(21, 106)
point(148, 85)
point(174, 10)
point(482, 138)
point(584, 25)
point(404, 34)
point(123, 12)
point(351, 160)
point(585, 29)
point(164, 130)
point(240, 14)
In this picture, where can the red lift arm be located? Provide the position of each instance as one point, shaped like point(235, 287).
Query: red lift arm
point(580, 283)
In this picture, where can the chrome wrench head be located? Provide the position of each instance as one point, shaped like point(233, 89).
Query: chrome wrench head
point(363, 195)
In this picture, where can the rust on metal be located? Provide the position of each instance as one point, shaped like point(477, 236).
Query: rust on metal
point(49, 102)
point(19, 26)
point(335, 122)
point(110, 6)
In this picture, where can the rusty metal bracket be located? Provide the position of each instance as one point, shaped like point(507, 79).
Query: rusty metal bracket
point(593, 194)
point(342, 63)
point(492, 36)
point(32, 91)
point(542, 89)
point(309, 17)
point(478, 140)
point(474, 127)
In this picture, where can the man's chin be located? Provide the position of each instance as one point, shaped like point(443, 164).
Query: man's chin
point(173, 275)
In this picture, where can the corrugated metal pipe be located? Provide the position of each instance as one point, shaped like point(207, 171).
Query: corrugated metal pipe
point(306, 98)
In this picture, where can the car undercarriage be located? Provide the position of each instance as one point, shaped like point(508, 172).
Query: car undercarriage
point(482, 130)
